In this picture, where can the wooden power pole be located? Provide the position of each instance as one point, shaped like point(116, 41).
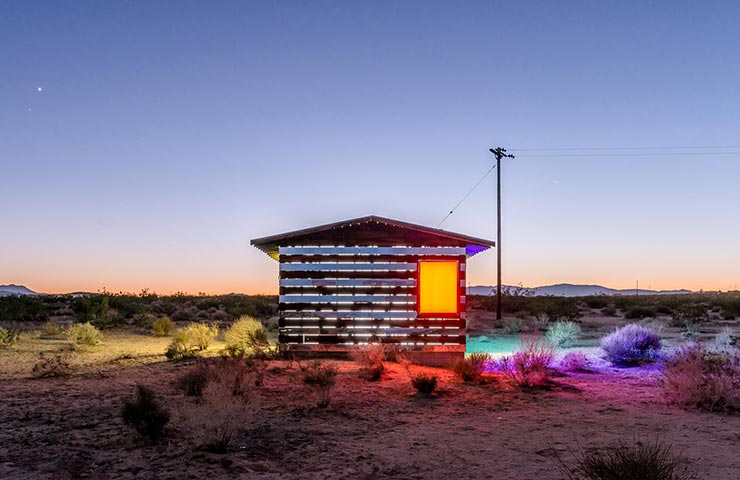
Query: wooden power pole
point(499, 153)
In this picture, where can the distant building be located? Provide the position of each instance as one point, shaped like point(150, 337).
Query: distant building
point(373, 280)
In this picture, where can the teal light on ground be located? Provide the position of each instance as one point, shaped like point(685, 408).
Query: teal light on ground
point(501, 345)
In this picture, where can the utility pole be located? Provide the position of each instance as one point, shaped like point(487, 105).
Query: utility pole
point(499, 153)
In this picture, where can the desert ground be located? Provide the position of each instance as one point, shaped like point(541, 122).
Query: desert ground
point(72, 428)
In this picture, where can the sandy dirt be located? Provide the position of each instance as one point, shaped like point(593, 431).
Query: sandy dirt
point(71, 428)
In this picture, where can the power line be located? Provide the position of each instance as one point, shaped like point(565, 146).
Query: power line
point(467, 194)
point(630, 154)
point(684, 147)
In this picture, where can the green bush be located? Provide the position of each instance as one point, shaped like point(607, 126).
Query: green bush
point(637, 313)
point(188, 341)
point(83, 334)
point(562, 332)
point(424, 383)
point(8, 336)
point(609, 311)
point(144, 413)
point(245, 337)
point(163, 326)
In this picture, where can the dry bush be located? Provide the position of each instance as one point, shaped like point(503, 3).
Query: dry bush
point(194, 380)
point(216, 419)
point(8, 336)
point(471, 367)
point(512, 325)
point(632, 345)
point(561, 333)
point(636, 461)
point(52, 329)
point(530, 366)
point(83, 335)
point(53, 365)
point(144, 413)
point(697, 378)
point(371, 357)
point(163, 326)
point(241, 374)
point(424, 383)
point(321, 378)
point(574, 362)
point(245, 337)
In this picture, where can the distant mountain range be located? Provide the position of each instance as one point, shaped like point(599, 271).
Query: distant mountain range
point(570, 290)
point(11, 289)
point(559, 290)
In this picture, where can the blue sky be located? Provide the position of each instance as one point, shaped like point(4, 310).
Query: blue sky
point(166, 135)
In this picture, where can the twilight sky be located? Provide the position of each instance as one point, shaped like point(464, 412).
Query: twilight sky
point(143, 144)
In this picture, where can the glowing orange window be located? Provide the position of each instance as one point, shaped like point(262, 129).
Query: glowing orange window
point(438, 287)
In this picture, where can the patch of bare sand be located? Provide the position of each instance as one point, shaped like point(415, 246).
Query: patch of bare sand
point(72, 428)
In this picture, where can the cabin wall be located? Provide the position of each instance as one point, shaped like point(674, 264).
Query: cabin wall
point(335, 298)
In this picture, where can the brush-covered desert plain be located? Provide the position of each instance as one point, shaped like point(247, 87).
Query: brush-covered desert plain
point(221, 412)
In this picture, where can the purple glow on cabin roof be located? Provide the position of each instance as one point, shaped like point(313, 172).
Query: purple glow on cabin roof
point(471, 250)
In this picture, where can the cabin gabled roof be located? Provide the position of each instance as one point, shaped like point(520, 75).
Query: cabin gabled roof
point(371, 230)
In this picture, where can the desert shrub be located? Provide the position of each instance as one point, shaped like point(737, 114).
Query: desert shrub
point(635, 461)
point(321, 378)
point(689, 314)
point(471, 367)
point(631, 345)
point(246, 336)
point(194, 380)
point(512, 325)
point(8, 336)
point(724, 340)
point(563, 332)
point(574, 362)
point(83, 334)
point(698, 378)
point(637, 313)
point(188, 341)
point(371, 358)
point(24, 308)
point(163, 326)
point(54, 365)
point(144, 413)
point(609, 311)
point(218, 417)
point(424, 383)
point(559, 308)
point(663, 309)
point(52, 329)
point(180, 348)
point(200, 335)
point(596, 302)
point(530, 366)
point(242, 374)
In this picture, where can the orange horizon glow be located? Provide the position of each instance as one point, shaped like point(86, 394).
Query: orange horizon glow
point(268, 285)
